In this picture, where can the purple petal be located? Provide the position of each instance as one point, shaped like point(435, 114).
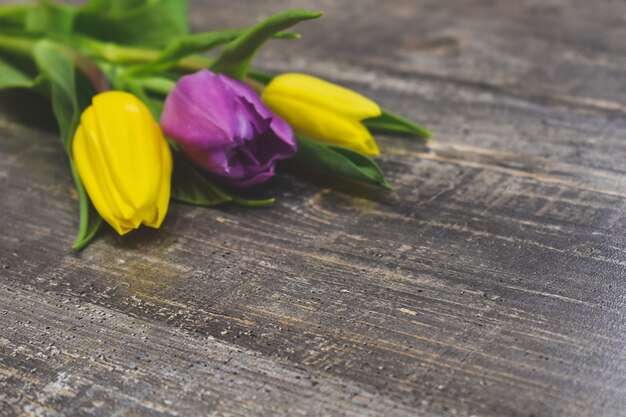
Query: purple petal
point(222, 125)
point(284, 132)
point(278, 125)
point(201, 112)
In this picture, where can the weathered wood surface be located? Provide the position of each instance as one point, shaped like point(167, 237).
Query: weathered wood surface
point(492, 282)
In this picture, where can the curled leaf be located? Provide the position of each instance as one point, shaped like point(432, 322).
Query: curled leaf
point(391, 123)
point(138, 22)
point(336, 162)
point(237, 56)
point(70, 96)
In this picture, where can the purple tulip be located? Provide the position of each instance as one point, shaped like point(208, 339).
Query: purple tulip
point(222, 125)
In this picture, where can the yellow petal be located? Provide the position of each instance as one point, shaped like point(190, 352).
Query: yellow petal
point(131, 149)
point(95, 184)
point(163, 199)
point(321, 94)
point(323, 125)
point(124, 161)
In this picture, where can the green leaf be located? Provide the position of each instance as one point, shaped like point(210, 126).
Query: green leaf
point(13, 77)
point(59, 70)
point(260, 76)
point(335, 162)
point(14, 15)
point(50, 19)
point(194, 44)
point(17, 68)
point(70, 96)
point(89, 220)
point(191, 187)
point(238, 55)
point(246, 202)
point(188, 45)
point(389, 122)
point(134, 22)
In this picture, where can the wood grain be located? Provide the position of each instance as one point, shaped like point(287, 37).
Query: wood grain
point(491, 282)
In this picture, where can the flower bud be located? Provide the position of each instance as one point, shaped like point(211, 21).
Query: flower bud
point(323, 111)
point(124, 161)
point(222, 126)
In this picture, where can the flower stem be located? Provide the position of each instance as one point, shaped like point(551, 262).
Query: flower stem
point(157, 84)
point(15, 12)
point(194, 63)
point(119, 54)
point(114, 53)
point(17, 45)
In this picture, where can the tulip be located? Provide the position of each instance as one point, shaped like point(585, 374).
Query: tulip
point(124, 161)
point(222, 126)
point(323, 111)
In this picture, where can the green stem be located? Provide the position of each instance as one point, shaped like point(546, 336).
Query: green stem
point(194, 63)
point(118, 54)
point(157, 84)
point(17, 45)
point(14, 12)
point(85, 232)
point(252, 203)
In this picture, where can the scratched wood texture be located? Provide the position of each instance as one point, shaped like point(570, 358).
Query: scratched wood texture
point(491, 282)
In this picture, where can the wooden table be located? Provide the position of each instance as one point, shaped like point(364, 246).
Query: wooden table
point(491, 282)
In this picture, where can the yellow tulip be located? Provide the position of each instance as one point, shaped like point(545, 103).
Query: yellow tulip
point(124, 161)
point(323, 111)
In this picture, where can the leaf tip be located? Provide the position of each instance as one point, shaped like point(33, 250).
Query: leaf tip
point(266, 202)
point(287, 35)
point(78, 246)
point(386, 185)
point(253, 203)
point(310, 14)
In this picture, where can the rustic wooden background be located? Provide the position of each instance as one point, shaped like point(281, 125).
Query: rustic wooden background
point(492, 282)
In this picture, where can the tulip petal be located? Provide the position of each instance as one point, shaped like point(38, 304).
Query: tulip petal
point(162, 203)
point(321, 94)
point(130, 149)
point(278, 126)
point(124, 161)
point(98, 194)
point(242, 140)
point(201, 109)
point(94, 166)
point(324, 125)
point(256, 113)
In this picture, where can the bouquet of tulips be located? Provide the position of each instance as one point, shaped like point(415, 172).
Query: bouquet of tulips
point(146, 115)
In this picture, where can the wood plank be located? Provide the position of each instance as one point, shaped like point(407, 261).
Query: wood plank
point(64, 356)
point(490, 282)
point(565, 49)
